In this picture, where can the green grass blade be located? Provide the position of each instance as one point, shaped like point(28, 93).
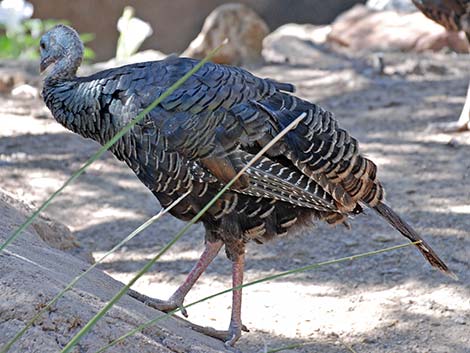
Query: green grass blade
point(92, 322)
point(106, 146)
point(69, 286)
point(261, 280)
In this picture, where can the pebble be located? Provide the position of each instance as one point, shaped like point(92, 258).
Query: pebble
point(25, 91)
point(369, 340)
point(176, 347)
point(350, 242)
point(453, 142)
point(382, 238)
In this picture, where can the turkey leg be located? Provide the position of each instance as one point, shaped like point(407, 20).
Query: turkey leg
point(236, 327)
point(463, 124)
point(176, 300)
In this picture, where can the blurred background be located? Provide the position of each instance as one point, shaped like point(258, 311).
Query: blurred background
point(176, 22)
point(194, 27)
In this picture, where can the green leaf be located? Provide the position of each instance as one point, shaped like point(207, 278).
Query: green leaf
point(88, 54)
point(87, 37)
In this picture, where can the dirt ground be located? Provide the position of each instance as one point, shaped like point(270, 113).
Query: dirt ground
point(391, 302)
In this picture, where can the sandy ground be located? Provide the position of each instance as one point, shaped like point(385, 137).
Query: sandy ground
point(392, 302)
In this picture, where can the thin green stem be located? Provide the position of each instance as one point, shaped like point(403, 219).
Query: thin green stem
point(264, 279)
point(92, 322)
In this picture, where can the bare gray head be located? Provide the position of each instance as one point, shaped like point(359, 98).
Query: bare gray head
point(61, 47)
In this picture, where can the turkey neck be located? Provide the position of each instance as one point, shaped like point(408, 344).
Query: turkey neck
point(74, 103)
point(65, 68)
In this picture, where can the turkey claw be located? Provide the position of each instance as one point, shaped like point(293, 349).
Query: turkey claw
point(448, 127)
point(162, 305)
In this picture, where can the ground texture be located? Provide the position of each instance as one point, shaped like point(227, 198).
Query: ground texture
point(392, 302)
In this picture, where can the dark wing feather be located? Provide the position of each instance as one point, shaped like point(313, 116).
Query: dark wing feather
point(207, 130)
point(224, 115)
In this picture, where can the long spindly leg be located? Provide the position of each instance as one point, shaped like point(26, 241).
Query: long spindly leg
point(463, 124)
point(464, 120)
point(176, 300)
point(236, 327)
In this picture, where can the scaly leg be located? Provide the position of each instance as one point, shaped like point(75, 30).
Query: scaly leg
point(463, 124)
point(176, 300)
point(236, 327)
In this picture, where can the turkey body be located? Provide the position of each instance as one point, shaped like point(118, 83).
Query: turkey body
point(202, 135)
point(207, 130)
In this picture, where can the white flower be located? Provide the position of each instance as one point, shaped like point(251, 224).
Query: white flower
point(12, 12)
point(133, 32)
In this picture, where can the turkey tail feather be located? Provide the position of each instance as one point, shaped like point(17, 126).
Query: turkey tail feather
point(396, 222)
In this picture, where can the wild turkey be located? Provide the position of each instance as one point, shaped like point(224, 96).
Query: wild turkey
point(206, 131)
point(454, 15)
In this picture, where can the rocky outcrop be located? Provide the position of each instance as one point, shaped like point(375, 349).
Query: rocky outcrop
point(364, 29)
point(177, 22)
point(244, 30)
point(361, 28)
point(54, 234)
point(33, 272)
point(296, 44)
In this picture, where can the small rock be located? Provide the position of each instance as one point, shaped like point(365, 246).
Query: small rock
point(176, 347)
point(350, 242)
point(11, 77)
point(453, 143)
point(382, 238)
point(55, 234)
point(369, 340)
point(6, 83)
point(25, 91)
point(244, 29)
point(298, 45)
point(460, 321)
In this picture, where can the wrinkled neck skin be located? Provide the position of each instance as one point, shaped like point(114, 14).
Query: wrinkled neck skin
point(59, 92)
point(64, 69)
point(77, 109)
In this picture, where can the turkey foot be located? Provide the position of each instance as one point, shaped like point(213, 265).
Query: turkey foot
point(463, 124)
point(229, 336)
point(455, 126)
point(162, 305)
point(176, 300)
point(234, 332)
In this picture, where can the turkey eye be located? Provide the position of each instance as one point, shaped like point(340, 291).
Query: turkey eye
point(42, 45)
